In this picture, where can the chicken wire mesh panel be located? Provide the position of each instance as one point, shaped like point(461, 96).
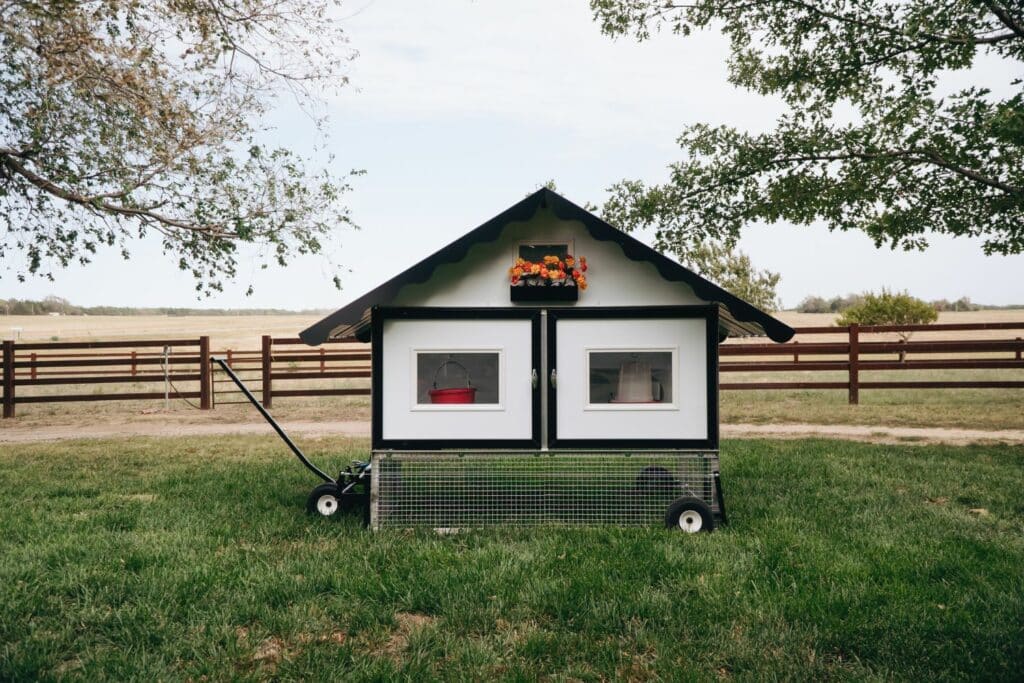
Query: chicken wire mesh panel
point(474, 489)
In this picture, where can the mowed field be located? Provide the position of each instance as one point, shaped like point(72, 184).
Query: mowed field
point(225, 331)
point(244, 331)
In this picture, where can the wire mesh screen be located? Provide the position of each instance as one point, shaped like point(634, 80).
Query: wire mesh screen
point(474, 489)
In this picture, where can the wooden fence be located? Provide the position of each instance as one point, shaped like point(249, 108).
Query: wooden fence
point(63, 364)
point(280, 365)
point(287, 360)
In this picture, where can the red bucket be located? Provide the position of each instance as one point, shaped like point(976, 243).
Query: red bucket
point(466, 394)
point(454, 395)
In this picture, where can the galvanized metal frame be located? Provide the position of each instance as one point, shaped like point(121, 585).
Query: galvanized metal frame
point(456, 489)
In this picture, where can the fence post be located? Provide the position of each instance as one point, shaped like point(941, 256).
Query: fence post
point(229, 360)
point(854, 364)
point(135, 357)
point(268, 390)
point(1018, 348)
point(796, 354)
point(8, 378)
point(323, 364)
point(204, 373)
point(32, 367)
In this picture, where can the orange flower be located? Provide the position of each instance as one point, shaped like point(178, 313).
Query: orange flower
point(551, 268)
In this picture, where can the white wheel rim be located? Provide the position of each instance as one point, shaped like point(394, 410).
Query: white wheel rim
point(327, 505)
point(690, 521)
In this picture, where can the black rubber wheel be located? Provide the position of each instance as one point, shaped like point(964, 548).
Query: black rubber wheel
point(655, 479)
point(324, 501)
point(690, 515)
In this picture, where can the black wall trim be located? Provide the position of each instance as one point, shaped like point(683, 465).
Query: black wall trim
point(708, 313)
point(382, 313)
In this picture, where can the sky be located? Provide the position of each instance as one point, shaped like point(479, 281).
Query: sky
point(457, 109)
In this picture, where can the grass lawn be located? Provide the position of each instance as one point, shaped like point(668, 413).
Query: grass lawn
point(179, 559)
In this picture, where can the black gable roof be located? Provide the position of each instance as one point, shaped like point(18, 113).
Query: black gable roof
point(737, 317)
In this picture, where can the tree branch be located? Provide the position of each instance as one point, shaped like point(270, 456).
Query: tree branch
point(1004, 16)
point(933, 157)
point(876, 26)
point(911, 156)
point(100, 202)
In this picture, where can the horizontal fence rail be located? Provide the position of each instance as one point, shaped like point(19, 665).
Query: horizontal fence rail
point(35, 366)
point(285, 368)
point(854, 355)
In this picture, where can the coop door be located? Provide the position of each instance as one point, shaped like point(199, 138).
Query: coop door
point(633, 378)
point(456, 378)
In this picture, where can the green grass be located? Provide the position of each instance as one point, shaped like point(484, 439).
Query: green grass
point(182, 559)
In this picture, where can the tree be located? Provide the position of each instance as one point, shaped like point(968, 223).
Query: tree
point(56, 304)
point(915, 159)
point(888, 308)
point(720, 262)
point(732, 269)
point(120, 119)
point(813, 304)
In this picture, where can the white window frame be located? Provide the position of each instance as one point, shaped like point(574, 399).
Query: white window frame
point(416, 406)
point(674, 372)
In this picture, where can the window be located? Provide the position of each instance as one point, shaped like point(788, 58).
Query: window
point(534, 253)
point(458, 379)
point(631, 377)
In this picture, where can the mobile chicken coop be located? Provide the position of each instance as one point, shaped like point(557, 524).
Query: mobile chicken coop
point(545, 367)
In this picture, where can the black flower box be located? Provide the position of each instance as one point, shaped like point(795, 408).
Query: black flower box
point(540, 293)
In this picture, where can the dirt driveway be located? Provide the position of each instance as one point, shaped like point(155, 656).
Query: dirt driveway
point(891, 435)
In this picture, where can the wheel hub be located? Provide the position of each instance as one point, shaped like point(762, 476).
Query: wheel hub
point(327, 505)
point(690, 521)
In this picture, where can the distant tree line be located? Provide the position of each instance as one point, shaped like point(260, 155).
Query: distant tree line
point(56, 304)
point(839, 304)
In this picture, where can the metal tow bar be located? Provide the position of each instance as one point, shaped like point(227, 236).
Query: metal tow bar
point(273, 423)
